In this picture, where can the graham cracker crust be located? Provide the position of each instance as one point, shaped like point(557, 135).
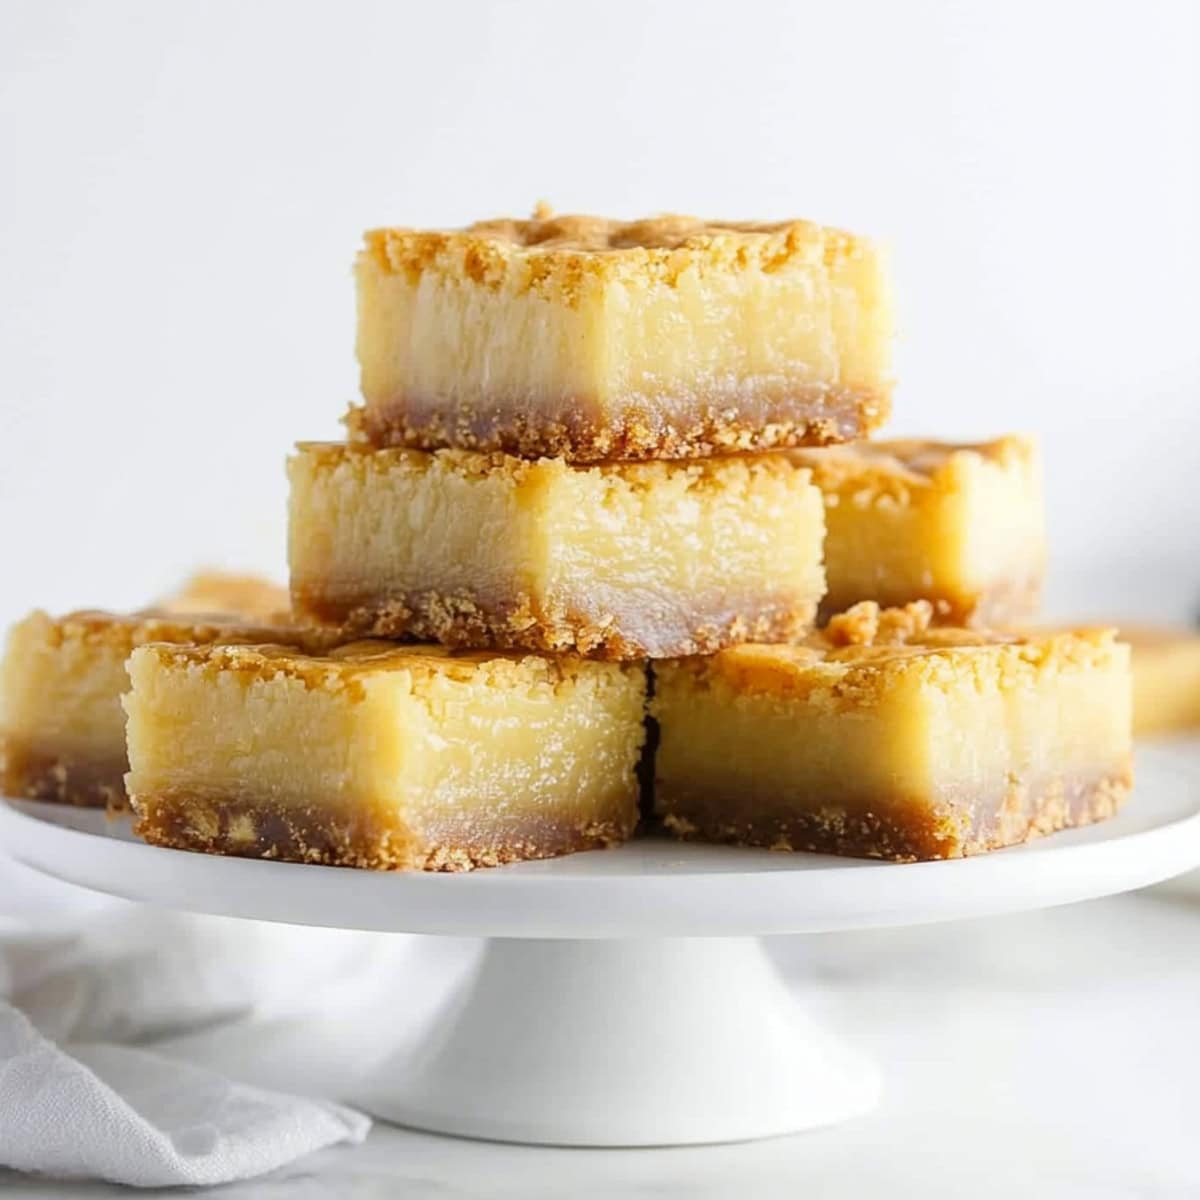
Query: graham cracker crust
point(901, 831)
point(61, 777)
point(239, 827)
point(460, 619)
point(577, 429)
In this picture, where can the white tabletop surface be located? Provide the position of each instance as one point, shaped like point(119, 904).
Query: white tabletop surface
point(1055, 1054)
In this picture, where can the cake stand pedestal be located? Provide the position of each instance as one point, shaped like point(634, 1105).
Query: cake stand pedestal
point(623, 1043)
point(623, 999)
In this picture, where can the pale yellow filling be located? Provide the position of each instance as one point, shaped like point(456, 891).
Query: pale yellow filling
point(1166, 681)
point(906, 728)
point(410, 745)
point(965, 528)
point(359, 520)
point(62, 694)
point(821, 318)
point(630, 540)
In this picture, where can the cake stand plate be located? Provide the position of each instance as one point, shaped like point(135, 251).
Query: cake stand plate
point(624, 998)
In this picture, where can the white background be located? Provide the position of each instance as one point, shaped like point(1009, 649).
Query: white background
point(182, 189)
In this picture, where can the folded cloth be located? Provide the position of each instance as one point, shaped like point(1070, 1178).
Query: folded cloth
point(77, 1099)
point(134, 1117)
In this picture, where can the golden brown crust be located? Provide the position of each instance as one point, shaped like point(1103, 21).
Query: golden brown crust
point(261, 828)
point(899, 828)
point(459, 619)
point(795, 416)
point(56, 774)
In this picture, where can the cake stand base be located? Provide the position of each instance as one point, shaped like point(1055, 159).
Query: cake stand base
point(621, 1043)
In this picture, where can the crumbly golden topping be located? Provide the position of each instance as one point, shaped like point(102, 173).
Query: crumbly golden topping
point(346, 667)
point(567, 232)
point(863, 649)
point(907, 462)
point(695, 474)
point(126, 630)
point(559, 253)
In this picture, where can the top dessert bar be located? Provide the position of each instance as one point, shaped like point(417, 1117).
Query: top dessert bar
point(589, 339)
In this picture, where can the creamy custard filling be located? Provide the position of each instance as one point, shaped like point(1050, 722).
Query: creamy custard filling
point(961, 525)
point(623, 560)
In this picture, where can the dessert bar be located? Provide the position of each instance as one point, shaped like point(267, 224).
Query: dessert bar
point(250, 597)
point(885, 738)
point(959, 525)
point(627, 560)
point(1166, 678)
point(593, 340)
point(63, 731)
point(382, 756)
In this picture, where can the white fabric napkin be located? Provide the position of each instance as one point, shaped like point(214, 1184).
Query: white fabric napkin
point(79, 1098)
point(130, 1116)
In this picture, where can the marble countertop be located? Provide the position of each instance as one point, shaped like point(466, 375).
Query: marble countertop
point(1055, 1054)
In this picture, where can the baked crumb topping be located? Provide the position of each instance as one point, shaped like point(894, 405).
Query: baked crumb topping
point(346, 667)
point(863, 651)
point(95, 627)
point(878, 467)
point(721, 474)
point(548, 230)
point(560, 253)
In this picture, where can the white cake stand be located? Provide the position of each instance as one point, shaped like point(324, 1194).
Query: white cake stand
point(624, 998)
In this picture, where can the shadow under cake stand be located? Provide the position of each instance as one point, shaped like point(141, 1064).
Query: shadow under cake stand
point(623, 998)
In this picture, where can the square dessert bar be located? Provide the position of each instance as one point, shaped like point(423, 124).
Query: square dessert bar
point(250, 597)
point(593, 340)
point(885, 738)
point(1166, 678)
point(960, 525)
point(623, 560)
point(382, 756)
point(62, 728)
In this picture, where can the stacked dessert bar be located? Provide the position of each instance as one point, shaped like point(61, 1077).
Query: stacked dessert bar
point(605, 473)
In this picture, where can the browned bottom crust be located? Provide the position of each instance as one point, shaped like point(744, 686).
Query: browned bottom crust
point(62, 777)
point(576, 429)
point(461, 619)
point(309, 834)
point(901, 831)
